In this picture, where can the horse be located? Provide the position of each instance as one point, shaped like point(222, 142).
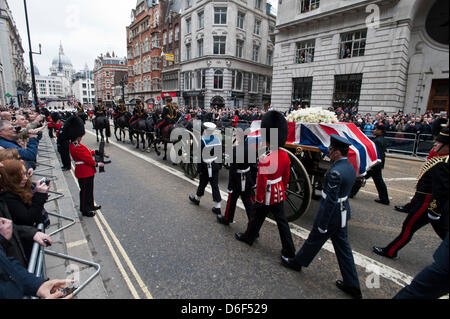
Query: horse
point(101, 123)
point(167, 132)
point(144, 129)
point(121, 123)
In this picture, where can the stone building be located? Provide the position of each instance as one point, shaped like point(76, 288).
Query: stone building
point(226, 53)
point(13, 74)
point(370, 54)
point(83, 86)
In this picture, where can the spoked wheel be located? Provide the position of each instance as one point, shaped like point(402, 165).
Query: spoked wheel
point(186, 156)
point(299, 191)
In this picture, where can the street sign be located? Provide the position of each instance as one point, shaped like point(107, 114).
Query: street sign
point(8, 95)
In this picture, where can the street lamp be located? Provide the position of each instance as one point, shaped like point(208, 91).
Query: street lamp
point(33, 78)
point(122, 82)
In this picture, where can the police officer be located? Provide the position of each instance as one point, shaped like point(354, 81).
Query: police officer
point(272, 182)
point(241, 182)
point(85, 165)
point(428, 204)
point(209, 167)
point(331, 220)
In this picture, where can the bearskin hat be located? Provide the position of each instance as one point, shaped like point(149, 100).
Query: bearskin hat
point(74, 128)
point(55, 116)
point(271, 120)
point(437, 126)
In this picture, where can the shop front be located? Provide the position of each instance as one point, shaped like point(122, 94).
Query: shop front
point(194, 99)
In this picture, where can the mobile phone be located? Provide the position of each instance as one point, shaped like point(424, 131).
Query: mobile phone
point(67, 291)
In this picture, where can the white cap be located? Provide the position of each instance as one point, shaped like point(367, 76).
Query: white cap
point(209, 126)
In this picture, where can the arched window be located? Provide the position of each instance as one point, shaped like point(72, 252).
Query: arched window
point(218, 79)
point(236, 81)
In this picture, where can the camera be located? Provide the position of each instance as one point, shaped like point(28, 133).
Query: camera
point(17, 129)
point(45, 181)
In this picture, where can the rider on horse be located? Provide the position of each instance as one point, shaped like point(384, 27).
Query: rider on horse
point(121, 110)
point(80, 112)
point(170, 115)
point(138, 112)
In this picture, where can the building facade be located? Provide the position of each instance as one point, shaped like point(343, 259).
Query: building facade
point(13, 74)
point(144, 53)
point(62, 68)
point(374, 55)
point(226, 53)
point(105, 69)
point(83, 86)
point(49, 87)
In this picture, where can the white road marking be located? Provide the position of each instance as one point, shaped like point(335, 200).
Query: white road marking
point(385, 271)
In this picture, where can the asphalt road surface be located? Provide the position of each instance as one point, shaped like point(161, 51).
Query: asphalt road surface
point(153, 243)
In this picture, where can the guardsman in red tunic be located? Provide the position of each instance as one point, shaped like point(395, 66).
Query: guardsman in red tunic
point(85, 165)
point(272, 182)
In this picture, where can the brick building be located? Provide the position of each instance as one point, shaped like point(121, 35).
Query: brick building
point(105, 70)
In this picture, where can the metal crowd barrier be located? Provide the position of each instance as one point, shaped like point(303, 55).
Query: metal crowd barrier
point(408, 143)
point(36, 264)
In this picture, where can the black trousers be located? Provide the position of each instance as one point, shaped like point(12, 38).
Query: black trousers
point(86, 194)
point(258, 218)
point(214, 181)
point(63, 149)
point(416, 219)
point(377, 175)
point(50, 132)
point(232, 202)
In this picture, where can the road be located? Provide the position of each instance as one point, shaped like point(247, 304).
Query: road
point(152, 243)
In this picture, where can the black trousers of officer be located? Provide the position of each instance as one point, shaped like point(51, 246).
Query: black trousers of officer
point(63, 149)
point(416, 219)
point(50, 132)
point(258, 218)
point(344, 255)
point(232, 202)
point(377, 175)
point(214, 181)
point(86, 194)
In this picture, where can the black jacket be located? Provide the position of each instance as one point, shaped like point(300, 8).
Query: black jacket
point(23, 214)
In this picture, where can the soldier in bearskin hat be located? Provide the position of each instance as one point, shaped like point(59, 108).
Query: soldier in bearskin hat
point(272, 182)
point(85, 165)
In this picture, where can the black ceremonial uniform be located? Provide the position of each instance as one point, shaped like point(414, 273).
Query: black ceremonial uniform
point(241, 181)
point(63, 149)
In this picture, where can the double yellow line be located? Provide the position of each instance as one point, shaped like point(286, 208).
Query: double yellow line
point(104, 228)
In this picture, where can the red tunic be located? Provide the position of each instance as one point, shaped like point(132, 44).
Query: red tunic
point(273, 177)
point(57, 127)
point(50, 121)
point(85, 165)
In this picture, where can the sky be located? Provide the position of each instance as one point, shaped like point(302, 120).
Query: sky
point(86, 28)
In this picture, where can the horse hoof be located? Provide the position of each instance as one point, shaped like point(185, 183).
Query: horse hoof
point(165, 158)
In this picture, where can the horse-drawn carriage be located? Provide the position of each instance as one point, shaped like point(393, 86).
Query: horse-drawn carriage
point(307, 148)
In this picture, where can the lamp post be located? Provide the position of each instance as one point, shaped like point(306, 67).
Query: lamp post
point(33, 78)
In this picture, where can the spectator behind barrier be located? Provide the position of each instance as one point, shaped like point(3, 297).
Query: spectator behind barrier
point(8, 139)
point(16, 282)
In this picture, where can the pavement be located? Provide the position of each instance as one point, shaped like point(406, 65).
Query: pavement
point(71, 241)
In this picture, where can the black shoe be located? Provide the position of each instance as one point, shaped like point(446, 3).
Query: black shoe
point(289, 263)
point(382, 252)
point(382, 202)
point(96, 207)
point(217, 211)
point(401, 209)
point(194, 200)
point(65, 169)
point(88, 214)
point(221, 219)
point(242, 237)
point(352, 291)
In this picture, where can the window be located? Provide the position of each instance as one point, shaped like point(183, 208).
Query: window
point(220, 15)
point(219, 45)
point(84, 85)
point(188, 26)
point(240, 20)
point(188, 3)
point(353, 44)
point(188, 51)
point(218, 79)
point(177, 55)
point(177, 33)
point(301, 93)
point(188, 81)
point(239, 48)
point(305, 52)
point(257, 28)
point(253, 83)
point(258, 4)
point(155, 40)
point(165, 38)
point(170, 36)
point(347, 90)
point(237, 80)
point(155, 63)
point(267, 85)
point(201, 19)
point(308, 5)
point(156, 84)
point(200, 47)
point(200, 79)
point(269, 57)
point(255, 57)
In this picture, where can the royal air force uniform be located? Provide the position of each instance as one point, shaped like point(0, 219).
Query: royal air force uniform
point(429, 204)
point(331, 222)
point(85, 165)
point(209, 167)
point(272, 182)
point(241, 182)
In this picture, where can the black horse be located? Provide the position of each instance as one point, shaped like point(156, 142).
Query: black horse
point(167, 132)
point(144, 129)
point(121, 123)
point(101, 123)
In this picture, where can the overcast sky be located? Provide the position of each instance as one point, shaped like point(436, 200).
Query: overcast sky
point(86, 29)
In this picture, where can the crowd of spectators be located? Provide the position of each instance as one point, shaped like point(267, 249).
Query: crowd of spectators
point(22, 205)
